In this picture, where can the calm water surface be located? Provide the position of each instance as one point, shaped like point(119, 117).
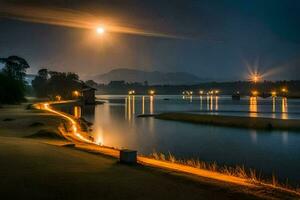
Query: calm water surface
point(278, 152)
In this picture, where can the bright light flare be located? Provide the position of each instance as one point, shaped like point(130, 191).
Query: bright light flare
point(58, 98)
point(100, 30)
point(284, 90)
point(151, 92)
point(254, 93)
point(76, 93)
point(131, 92)
point(256, 77)
point(255, 72)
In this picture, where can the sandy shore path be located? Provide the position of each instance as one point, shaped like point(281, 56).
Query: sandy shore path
point(31, 169)
point(42, 168)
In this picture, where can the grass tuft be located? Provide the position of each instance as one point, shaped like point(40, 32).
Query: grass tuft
point(238, 171)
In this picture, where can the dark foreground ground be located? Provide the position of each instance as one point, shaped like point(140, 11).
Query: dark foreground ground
point(35, 169)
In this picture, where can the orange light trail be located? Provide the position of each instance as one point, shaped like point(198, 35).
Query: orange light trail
point(68, 118)
point(157, 163)
point(194, 171)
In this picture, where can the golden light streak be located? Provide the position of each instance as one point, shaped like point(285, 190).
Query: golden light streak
point(201, 102)
point(99, 136)
point(151, 104)
point(126, 109)
point(73, 19)
point(77, 112)
point(194, 171)
point(211, 103)
point(174, 166)
point(284, 108)
point(74, 124)
point(129, 108)
point(273, 104)
point(217, 103)
point(143, 105)
point(133, 104)
point(253, 107)
point(207, 102)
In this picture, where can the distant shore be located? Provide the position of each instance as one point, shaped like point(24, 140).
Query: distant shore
point(233, 121)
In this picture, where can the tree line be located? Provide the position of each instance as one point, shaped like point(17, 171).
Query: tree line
point(225, 88)
point(51, 84)
point(47, 84)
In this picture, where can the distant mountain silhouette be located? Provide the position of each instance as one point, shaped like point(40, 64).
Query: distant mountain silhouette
point(153, 77)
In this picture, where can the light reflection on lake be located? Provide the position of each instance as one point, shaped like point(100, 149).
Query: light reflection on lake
point(209, 104)
point(253, 107)
point(116, 125)
point(284, 111)
point(77, 112)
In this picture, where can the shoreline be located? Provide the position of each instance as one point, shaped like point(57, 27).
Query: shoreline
point(146, 160)
point(172, 168)
point(182, 168)
point(261, 123)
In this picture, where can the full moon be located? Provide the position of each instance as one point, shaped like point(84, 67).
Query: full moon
point(100, 30)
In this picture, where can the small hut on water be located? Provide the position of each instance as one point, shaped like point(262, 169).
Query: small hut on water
point(88, 95)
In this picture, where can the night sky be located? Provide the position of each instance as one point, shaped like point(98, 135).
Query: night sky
point(211, 39)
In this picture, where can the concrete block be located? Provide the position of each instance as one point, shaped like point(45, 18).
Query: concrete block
point(128, 156)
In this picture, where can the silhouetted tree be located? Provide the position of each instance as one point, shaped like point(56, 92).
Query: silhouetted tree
point(91, 83)
point(15, 67)
point(52, 83)
point(39, 84)
point(43, 73)
point(12, 84)
point(11, 90)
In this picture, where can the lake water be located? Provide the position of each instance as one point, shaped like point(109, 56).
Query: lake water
point(278, 152)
